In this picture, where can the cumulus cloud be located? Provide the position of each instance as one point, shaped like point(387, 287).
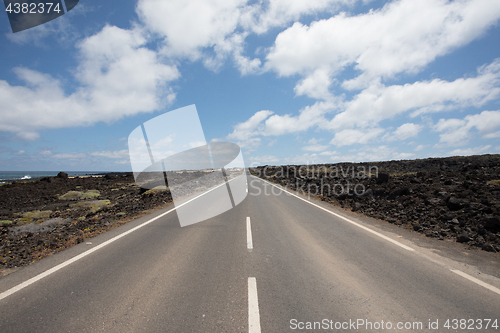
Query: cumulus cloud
point(419, 147)
point(118, 77)
point(251, 127)
point(369, 153)
point(456, 132)
point(349, 137)
point(379, 102)
point(267, 14)
point(471, 151)
point(403, 132)
point(214, 30)
point(380, 43)
point(308, 117)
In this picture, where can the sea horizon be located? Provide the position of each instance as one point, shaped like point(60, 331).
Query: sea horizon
point(10, 176)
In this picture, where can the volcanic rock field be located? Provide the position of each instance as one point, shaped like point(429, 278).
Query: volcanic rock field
point(455, 198)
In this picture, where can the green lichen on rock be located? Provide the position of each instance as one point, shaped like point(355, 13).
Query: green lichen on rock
point(93, 205)
point(77, 195)
point(71, 195)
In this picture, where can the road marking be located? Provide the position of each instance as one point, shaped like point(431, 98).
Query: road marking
point(345, 219)
point(479, 282)
point(462, 274)
point(253, 307)
point(249, 235)
point(86, 253)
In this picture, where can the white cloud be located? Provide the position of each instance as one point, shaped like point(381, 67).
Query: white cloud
point(403, 132)
point(419, 147)
point(118, 76)
point(264, 159)
point(349, 137)
point(251, 127)
point(190, 25)
point(383, 42)
point(315, 85)
point(59, 29)
point(267, 14)
point(315, 148)
point(305, 159)
point(379, 102)
point(308, 117)
point(370, 154)
point(70, 156)
point(116, 154)
point(213, 30)
point(471, 151)
point(457, 131)
point(314, 141)
point(250, 144)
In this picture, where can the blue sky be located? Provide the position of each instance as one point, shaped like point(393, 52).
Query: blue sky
point(318, 81)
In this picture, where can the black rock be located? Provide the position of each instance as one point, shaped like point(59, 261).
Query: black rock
point(357, 206)
point(463, 238)
point(62, 175)
point(492, 224)
point(367, 193)
point(455, 204)
point(398, 193)
point(433, 201)
point(488, 247)
point(382, 178)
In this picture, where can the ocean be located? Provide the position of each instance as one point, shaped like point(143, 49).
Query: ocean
point(9, 176)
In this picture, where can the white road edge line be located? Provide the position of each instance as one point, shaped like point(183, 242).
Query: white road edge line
point(477, 281)
point(86, 253)
point(462, 274)
point(253, 307)
point(344, 218)
point(249, 234)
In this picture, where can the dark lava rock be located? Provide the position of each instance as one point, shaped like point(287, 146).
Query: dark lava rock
point(492, 224)
point(455, 204)
point(455, 198)
point(398, 193)
point(463, 238)
point(488, 247)
point(382, 178)
point(357, 206)
point(62, 175)
point(367, 193)
point(433, 201)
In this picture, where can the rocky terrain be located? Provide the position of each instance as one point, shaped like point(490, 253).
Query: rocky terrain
point(456, 198)
point(41, 217)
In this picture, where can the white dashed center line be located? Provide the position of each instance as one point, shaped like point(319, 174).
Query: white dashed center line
point(253, 307)
point(249, 235)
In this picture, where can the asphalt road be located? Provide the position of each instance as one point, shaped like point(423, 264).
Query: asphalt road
point(303, 263)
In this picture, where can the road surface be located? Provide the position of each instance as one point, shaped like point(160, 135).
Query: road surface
point(274, 263)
